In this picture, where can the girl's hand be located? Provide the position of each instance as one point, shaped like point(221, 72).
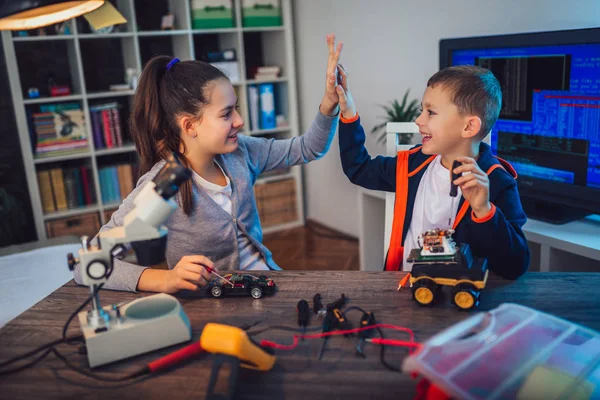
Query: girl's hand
point(189, 274)
point(347, 106)
point(330, 98)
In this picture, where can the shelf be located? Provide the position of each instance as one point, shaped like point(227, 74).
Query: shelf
point(274, 178)
point(61, 158)
point(269, 131)
point(272, 80)
point(105, 36)
point(116, 150)
point(110, 93)
point(214, 31)
point(89, 62)
point(264, 29)
point(41, 38)
point(56, 99)
point(112, 206)
point(71, 212)
point(164, 33)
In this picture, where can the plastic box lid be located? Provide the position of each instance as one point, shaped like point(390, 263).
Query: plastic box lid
point(512, 352)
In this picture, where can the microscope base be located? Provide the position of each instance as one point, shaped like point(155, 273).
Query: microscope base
point(144, 325)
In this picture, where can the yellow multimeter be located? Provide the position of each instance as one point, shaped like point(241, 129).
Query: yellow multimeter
point(232, 341)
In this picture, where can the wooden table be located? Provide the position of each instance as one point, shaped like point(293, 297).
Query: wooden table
point(297, 374)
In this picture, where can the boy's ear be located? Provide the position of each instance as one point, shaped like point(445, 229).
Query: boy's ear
point(472, 127)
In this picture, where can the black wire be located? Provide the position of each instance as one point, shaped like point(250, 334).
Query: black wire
point(37, 350)
point(30, 364)
point(353, 308)
point(133, 375)
point(81, 307)
point(382, 353)
point(283, 328)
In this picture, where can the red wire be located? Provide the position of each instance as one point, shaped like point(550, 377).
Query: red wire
point(176, 357)
point(411, 344)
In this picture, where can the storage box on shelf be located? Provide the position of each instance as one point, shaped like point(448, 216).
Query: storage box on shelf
point(78, 225)
point(90, 64)
point(276, 202)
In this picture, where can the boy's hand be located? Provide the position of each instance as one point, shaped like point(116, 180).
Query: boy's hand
point(330, 98)
point(475, 186)
point(347, 107)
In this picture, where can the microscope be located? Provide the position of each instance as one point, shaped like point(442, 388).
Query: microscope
point(120, 331)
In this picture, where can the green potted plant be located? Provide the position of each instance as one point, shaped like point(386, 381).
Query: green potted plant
point(404, 114)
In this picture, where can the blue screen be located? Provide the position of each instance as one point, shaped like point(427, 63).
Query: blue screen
point(549, 126)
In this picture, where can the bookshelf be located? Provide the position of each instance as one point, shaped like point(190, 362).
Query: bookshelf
point(90, 62)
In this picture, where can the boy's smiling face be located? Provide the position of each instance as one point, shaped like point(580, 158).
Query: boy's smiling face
point(442, 127)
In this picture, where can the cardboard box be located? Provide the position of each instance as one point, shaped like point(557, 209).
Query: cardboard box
point(276, 202)
point(256, 13)
point(79, 225)
point(211, 14)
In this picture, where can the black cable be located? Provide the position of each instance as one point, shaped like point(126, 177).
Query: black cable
point(30, 364)
point(353, 308)
point(81, 307)
point(37, 350)
point(382, 355)
point(133, 375)
point(283, 328)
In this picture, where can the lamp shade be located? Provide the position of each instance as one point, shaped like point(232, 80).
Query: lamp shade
point(18, 15)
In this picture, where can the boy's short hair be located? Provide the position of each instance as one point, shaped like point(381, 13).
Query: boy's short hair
point(474, 90)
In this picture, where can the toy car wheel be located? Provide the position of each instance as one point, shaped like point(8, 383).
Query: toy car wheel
point(256, 292)
point(424, 291)
point(216, 291)
point(465, 296)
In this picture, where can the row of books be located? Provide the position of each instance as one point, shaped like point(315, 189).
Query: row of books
point(116, 182)
point(261, 105)
point(58, 129)
point(107, 129)
point(62, 189)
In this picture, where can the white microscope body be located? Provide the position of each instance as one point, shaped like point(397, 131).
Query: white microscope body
point(116, 332)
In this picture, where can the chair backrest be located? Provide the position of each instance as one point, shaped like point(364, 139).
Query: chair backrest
point(393, 146)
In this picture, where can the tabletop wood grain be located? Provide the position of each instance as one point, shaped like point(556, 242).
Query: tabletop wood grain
point(298, 374)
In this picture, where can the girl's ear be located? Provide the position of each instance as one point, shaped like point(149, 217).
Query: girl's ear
point(187, 126)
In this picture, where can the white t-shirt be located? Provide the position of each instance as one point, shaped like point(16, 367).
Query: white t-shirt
point(250, 257)
point(434, 207)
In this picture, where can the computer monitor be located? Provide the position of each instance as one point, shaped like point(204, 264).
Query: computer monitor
point(549, 125)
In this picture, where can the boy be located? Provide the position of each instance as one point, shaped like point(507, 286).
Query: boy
point(459, 108)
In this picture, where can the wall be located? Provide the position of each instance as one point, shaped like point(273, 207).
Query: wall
point(391, 46)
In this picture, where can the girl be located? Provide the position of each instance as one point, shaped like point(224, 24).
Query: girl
point(190, 108)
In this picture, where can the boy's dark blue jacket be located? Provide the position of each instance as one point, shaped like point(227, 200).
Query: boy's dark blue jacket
point(500, 238)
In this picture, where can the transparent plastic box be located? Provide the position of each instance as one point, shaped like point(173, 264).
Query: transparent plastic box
point(512, 352)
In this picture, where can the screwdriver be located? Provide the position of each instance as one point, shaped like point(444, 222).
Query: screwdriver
point(303, 310)
point(212, 271)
